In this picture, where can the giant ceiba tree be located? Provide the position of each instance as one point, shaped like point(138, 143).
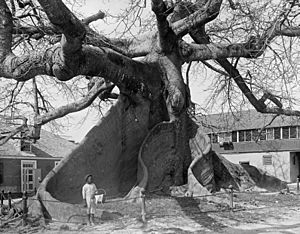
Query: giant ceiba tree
point(150, 120)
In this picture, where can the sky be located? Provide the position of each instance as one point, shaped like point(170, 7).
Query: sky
point(78, 130)
point(200, 81)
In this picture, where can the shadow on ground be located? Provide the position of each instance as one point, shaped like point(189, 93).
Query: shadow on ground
point(190, 207)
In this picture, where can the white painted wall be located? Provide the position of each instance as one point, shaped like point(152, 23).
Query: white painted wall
point(281, 163)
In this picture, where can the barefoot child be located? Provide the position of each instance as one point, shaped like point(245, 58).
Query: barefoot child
point(88, 194)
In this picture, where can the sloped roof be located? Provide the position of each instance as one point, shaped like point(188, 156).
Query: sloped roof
point(49, 145)
point(8, 149)
point(52, 145)
point(250, 119)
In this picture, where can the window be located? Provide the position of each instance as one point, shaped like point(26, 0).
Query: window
point(228, 136)
point(241, 136)
point(277, 133)
point(263, 135)
point(270, 133)
point(1, 173)
point(248, 135)
point(224, 136)
point(293, 132)
point(285, 132)
point(267, 160)
point(213, 137)
point(244, 163)
point(234, 136)
point(25, 144)
point(254, 135)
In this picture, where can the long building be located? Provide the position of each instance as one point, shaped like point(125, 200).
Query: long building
point(24, 164)
point(262, 140)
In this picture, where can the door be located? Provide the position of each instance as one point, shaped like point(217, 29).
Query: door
point(28, 175)
point(298, 159)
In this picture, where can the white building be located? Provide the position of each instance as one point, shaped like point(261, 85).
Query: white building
point(257, 139)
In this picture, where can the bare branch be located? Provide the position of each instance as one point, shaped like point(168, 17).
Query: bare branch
point(99, 87)
point(12, 133)
point(259, 105)
point(264, 127)
point(92, 18)
point(258, 45)
point(288, 31)
point(272, 98)
point(214, 68)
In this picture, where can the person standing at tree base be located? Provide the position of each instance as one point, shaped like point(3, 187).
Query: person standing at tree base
point(88, 194)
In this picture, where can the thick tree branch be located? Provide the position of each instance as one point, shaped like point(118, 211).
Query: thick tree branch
point(214, 68)
point(253, 48)
point(122, 71)
point(234, 73)
point(288, 31)
point(98, 90)
point(166, 36)
point(100, 86)
point(136, 47)
point(169, 62)
point(205, 14)
point(71, 58)
point(92, 18)
point(259, 105)
point(71, 42)
point(175, 87)
point(61, 17)
point(200, 52)
point(184, 9)
point(6, 26)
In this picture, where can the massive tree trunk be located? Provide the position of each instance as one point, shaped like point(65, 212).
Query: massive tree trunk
point(127, 152)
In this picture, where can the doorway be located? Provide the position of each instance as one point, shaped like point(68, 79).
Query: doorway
point(28, 175)
point(297, 156)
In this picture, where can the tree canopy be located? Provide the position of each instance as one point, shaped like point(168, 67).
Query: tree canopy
point(249, 48)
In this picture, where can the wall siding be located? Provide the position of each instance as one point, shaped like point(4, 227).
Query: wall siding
point(12, 172)
point(11, 175)
point(281, 163)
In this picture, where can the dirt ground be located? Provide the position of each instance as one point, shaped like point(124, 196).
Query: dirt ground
point(253, 213)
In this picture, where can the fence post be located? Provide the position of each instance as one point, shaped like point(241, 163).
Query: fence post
point(297, 185)
point(143, 204)
point(2, 198)
point(9, 200)
point(25, 208)
point(231, 196)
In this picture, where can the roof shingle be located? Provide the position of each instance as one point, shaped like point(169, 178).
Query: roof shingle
point(243, 120)
point(49, 145)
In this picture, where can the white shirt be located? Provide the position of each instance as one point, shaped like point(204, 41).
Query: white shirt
point(89, 191)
